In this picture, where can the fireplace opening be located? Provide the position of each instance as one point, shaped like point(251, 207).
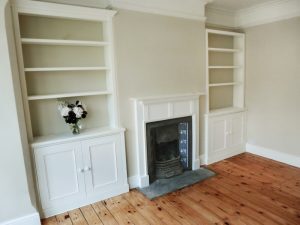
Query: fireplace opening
point(169, 147)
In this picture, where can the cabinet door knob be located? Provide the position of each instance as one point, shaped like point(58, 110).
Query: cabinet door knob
point(87, 168)
point(81, 170)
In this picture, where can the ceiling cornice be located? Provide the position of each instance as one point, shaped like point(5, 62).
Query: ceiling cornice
point(218, 16)
point(191, 9)
point(259, 14)
point(267, 13)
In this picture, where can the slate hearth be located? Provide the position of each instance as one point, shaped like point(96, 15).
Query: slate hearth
point(161, 187)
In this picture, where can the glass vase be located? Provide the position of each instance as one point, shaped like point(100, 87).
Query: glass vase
point(75, 128)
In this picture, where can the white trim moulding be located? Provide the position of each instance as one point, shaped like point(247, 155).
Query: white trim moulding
point(286, 158)
point(28, 219)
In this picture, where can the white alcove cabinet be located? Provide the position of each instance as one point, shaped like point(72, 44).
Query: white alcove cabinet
point(66, 53)
point(225, 85)
point(225, 135)
point(78, 173)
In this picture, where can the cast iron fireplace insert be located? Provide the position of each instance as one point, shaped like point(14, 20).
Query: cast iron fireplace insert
point(169, 147)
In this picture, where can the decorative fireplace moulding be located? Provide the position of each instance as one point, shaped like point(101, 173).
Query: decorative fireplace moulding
point(152, 109)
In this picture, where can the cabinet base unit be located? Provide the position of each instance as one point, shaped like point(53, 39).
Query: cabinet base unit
point(225, 136)
point(78, 172)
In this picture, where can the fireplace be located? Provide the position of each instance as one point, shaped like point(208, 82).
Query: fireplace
point(169, 147)
point(151, 113)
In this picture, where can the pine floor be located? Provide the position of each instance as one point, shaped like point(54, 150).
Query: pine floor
point(247, 190)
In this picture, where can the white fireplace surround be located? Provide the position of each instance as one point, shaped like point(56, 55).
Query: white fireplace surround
point(153, 109)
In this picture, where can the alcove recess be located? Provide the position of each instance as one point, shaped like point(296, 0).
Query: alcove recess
point(65, 59)
point(225, 71)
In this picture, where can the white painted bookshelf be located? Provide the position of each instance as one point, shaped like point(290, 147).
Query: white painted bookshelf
point(52, 69)
point(66, 53)
point(67, 95)
point(223, 50)
point(36, 41)
point(225, 84)
point(225, 70)
point(224, 67)
point(66, 58)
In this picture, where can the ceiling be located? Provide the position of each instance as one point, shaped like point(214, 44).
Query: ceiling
point(235, 5)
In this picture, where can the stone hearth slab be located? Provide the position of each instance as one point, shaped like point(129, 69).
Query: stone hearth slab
point(164, 186)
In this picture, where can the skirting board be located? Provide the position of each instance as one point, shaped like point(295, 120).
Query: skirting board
point(273, 154)
point(137, 181)
point(218, 157)
point(202, 160)
point(133, 182)
point(30, 219)
point(196, 164)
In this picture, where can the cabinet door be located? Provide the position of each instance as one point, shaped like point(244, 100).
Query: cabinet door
point(104, 165)
point(59, 174)
point(218, 134)
point(236, 130)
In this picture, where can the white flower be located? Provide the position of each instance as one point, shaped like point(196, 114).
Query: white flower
point(65, 111)
point(78, 111)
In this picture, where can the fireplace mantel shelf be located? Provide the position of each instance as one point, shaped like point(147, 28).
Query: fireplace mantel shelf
point(167, 97)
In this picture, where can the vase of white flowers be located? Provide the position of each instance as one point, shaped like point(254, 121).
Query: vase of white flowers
point(73, 113)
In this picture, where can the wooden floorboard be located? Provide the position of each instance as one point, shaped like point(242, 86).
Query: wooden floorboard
point(247, 190)
point(104, 214)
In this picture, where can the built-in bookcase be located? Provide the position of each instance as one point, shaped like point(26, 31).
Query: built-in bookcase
point(225, 110)
point(65, 54)
point(225, 71)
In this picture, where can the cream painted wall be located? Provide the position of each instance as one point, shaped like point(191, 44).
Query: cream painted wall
point(273, 85)
point(15, 199)
point(155, 55)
